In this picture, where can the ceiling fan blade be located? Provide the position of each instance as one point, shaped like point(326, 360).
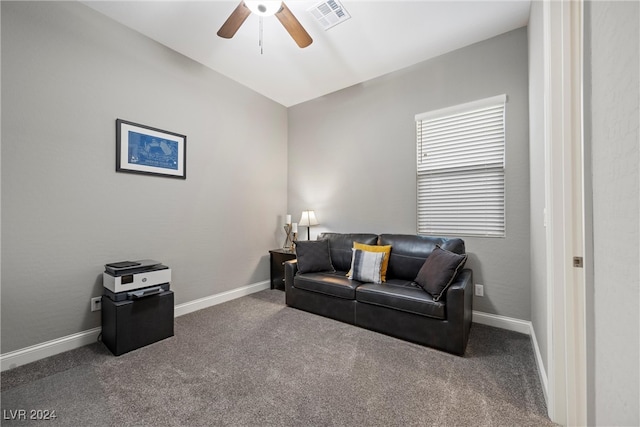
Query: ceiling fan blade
point(293, 27)
point(234, 21)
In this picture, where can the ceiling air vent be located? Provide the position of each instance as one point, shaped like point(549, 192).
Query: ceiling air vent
point(329, 13)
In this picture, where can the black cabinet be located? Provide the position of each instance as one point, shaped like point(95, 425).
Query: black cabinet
point(131, 324)
point(278, 258)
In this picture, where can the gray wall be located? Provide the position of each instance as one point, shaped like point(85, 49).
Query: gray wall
point(352, 157)
point(67, 74)
point(612, 114)
point(537, 179)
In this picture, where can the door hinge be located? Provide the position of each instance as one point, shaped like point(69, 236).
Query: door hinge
point(578, 261)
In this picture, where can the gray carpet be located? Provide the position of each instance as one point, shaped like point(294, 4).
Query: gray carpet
point(254, 361)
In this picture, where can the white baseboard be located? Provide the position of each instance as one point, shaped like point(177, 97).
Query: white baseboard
point(210, 301)
point(36, 352)
point(542, 373)
point(502, 322)
point(517, 325)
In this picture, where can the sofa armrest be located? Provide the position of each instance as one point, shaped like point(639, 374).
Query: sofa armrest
point(460, 304)
point(460, 294)
point(290, 270)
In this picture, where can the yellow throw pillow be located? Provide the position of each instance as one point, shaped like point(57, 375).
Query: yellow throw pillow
point(376, 248)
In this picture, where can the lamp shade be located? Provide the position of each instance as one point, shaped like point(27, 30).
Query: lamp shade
point(307, 219)
point(264, 8)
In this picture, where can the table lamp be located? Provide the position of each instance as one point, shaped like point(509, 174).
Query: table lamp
point(308, 219)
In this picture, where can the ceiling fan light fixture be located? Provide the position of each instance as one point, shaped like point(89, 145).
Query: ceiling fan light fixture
point(264, 8)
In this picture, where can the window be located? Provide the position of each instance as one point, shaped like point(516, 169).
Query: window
point(460, 169)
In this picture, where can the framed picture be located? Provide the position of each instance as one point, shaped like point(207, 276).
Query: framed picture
point(150, 151)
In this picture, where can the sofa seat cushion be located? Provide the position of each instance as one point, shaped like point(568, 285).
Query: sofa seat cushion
point(335, 284)
point(401, 295)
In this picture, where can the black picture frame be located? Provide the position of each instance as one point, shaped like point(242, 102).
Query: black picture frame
point(146, 150)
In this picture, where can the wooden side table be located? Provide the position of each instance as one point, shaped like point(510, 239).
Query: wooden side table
point(278, 258)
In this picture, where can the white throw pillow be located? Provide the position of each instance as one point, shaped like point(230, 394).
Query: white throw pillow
point(366, 266)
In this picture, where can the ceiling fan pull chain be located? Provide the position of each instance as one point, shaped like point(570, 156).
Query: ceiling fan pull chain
point(260, 40)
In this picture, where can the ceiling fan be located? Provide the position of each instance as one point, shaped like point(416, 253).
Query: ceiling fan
point(262, 9)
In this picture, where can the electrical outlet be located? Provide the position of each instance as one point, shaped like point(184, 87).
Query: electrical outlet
point(479, 290)
point(96, 304)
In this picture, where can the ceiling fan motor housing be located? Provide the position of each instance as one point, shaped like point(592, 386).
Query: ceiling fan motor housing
point(264, 8)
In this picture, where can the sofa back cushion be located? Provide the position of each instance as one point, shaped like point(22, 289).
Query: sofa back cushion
point(409, 251)
point(340, 246)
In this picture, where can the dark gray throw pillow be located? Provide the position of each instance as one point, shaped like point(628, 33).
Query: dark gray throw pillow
point(313, 256)
point(439, 271)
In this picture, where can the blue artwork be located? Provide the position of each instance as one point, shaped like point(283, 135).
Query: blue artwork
point(147, 150)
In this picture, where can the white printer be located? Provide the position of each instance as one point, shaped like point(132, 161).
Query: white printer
point(135, 279)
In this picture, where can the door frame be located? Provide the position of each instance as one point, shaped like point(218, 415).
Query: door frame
point(565, 201)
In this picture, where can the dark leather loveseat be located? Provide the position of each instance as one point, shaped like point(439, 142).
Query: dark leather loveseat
point(396, 307)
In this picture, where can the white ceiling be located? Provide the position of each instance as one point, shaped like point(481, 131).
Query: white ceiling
point(380, 37)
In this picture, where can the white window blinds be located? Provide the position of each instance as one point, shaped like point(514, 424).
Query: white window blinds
point(460, 169)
